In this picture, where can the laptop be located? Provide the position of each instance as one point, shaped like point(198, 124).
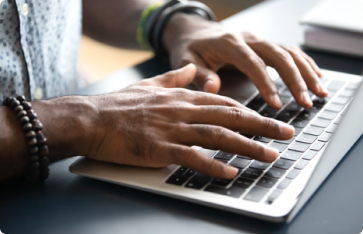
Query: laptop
point(274, 192)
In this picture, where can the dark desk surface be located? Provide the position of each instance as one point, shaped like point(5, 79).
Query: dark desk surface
point(67, 203)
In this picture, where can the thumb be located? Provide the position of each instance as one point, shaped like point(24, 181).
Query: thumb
point(177, 78)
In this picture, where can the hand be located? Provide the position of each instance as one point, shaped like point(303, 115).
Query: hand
point(191, 39)
point(154, 122)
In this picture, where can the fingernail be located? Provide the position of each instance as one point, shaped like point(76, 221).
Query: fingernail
point(207, 85)
point(276, 99)
point(323, 89)
point(271, 153)
point(231, 172)
point(306, 98)
point(287, 130)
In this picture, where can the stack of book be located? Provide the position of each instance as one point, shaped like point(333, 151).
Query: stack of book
point(335, 26)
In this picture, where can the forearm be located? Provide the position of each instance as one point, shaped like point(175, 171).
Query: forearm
point(65, 124)
point(114, 22)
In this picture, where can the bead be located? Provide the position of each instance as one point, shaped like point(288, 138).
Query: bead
point(7, 100)
point(21, 114)
point(32, 115)
point(34, 158)
point(32, 141)
point(26, 105)
point(18, 109)
point(21, 99)
point(44, 162)
point(24, 120)
point(43, 150)
point(14, 103)
point(33, 150)
point(30, 134)
point(27, 127)
point(41, 138)
point(37, 125)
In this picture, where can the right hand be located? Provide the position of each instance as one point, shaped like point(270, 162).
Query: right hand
point(154, 122)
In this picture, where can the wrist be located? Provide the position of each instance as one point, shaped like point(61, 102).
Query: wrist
point(67, 124)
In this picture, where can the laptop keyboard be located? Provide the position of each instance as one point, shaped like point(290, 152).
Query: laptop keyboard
point(265, 182)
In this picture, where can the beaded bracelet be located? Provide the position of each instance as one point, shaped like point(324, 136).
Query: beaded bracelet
point(37, 142)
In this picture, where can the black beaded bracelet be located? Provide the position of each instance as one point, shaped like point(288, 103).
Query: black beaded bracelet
point(37, 142)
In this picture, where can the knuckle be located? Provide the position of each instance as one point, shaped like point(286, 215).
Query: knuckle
point(218, 134)
point(236, 114)
point(229, 37)
point(284, 56)
point(267, 124)
point(256, 148)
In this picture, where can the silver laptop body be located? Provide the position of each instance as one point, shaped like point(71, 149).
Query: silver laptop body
point(347, 127)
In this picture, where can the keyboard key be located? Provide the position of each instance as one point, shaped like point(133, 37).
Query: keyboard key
point(189, 173)
point(297, 131)
point(260, 165)
point(306, 138)
point(275, 173)
point(330, 95)
point(341, 100)
point(283, 164)
point(244, 157)
point(321, 123)
point(256, 103)
point(266, 182)
point(240, 162)
point(353, 86)
point(298, 146)
point(328, 115)
point(286, 115)
point(293, 106)
point(324, 80)
point(316, 131)
point(181, 171)
point(301, 123)
point(319, 102)
point(262, 139)
point(207, 152)
point(315, 108)
point(309, 155)
point(268, 112)
point(284, 183)
point(325, 137)
point(285, 100)
point(335, 85)
point(306, 114)
point(221, 182)
point(232, 191)
point(274, 195)
point(301, 164)
point(256, 194)
point(177, 180)
point(334, 107)
point(198, 181)
point(347, 93)
point(332, 128)
point(224, 155)
point(251, 173)
point(292, 174)
point(317, 146)
point(291, 155)
point(286, 141)
point(243, 183)
point(279, 146)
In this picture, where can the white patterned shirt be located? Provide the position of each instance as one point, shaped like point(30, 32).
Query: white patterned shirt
point(39, 41)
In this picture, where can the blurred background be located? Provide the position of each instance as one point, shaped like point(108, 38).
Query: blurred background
point(97, 60)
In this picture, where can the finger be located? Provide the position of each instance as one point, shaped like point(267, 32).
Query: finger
point(206, 79)
point(174, 79)
point(239, 120)
point(284, 64)
point(206, 99)
point(311, 78)
point(247, 61)
point(312, 64)
point(197, 161)
point(219, 138)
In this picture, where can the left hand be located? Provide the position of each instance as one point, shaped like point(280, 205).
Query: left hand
point(191, 39)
